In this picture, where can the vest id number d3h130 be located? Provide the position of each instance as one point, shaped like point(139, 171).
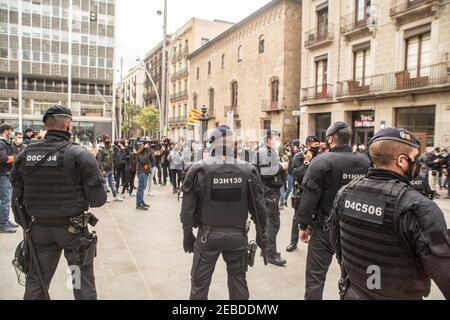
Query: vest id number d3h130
point(364, 208)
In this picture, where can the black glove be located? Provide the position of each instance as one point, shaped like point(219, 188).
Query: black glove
point(262, 242)
point(189, 241)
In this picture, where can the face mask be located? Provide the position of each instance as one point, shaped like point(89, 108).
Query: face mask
point(315, 151)
point(19, 141)
point(413, 170)
point(277, 146)
point(11, 135)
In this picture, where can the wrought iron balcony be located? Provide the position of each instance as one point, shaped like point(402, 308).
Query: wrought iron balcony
point(430, 77)
point(271, 106)
point(352, 27)
point(319, 36)
point(318, 93)
point(406, 10)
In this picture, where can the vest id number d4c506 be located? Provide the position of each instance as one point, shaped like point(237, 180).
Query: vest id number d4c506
point(33, 158)
point(364, 208)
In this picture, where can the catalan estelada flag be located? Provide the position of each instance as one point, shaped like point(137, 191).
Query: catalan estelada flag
point(194, 116)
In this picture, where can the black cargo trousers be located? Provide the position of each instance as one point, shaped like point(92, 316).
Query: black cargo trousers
point(232, 244)
point(272, 198)
point(50, 242)
point(318, 260)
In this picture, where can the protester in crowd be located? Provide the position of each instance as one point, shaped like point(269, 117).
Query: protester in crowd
point(144, 167)
point(165, 151)
point(176, 167)
point(287, 190)
point(120, 153)
point(6, 162)
point(17, 144)
point(158, 175)
point(283, 155)
point(105, 158)
point(153, 172)
point(29, 136)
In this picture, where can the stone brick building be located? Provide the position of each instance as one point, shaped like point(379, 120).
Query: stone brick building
point(375, 64)
point(249, 76)
point(191, 36)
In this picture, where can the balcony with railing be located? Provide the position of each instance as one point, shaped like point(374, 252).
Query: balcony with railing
point(272, 106)
point(233, 109)
point(354, 26)
point(433, 77)
point(406, 10)
point(178, 120)
point(319, 36)
point(318, 94)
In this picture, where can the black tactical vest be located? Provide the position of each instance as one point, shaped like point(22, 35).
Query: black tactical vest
point(51, 190)
point(344, 167)
point(225, 199)
point(369, 237)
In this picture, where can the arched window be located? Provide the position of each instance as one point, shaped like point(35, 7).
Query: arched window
point(211, 100)
point(195, 100)
point(234, 94)
point(274, 92)
point(209, 67)
point(223, 61)
point(261, 44)
point(240, 54)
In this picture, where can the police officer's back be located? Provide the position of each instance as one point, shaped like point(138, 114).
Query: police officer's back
point(216, 199)
point(56, 182)
point(390, 239)
point(326, 174)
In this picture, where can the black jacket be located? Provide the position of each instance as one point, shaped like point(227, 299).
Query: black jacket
point(5, 152)
point(422, 226)
point(326, 174)
point(80, 162)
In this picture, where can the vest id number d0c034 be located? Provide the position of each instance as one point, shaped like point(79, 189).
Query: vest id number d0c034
point(364, 208)
point(34, 158)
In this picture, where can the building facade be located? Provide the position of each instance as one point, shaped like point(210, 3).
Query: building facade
point(66, 49)
point(194, 34)
point(153, 63)
point(249, 76)
point(377, 64)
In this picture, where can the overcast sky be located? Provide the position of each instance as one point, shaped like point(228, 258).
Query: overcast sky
point(139, 28)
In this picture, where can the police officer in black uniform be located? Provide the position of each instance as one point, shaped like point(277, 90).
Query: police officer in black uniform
point(56, 194)
point(301, 164)
point(273, 175)
point(422, 185)
point(216, 199)
point(326, 175)
point(389, 239)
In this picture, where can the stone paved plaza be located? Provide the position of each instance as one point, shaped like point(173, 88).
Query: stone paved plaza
point(141, 257)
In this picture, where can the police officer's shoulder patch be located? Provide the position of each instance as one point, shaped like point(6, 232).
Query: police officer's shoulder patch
point(362, 207)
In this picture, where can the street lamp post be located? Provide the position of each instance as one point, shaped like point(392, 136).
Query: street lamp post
point(154, 87)
point(204, 118)
point(115, 132)
point(164, 111)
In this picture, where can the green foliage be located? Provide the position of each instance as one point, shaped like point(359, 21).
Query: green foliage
point(147, 119)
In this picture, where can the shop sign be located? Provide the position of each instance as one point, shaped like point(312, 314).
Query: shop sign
point(365, 121)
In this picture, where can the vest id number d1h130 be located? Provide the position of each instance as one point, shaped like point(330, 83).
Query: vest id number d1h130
point(362, 207)
point(33, 158)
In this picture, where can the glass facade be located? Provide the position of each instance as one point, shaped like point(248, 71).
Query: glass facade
point(59, 38)
point(419, 120)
